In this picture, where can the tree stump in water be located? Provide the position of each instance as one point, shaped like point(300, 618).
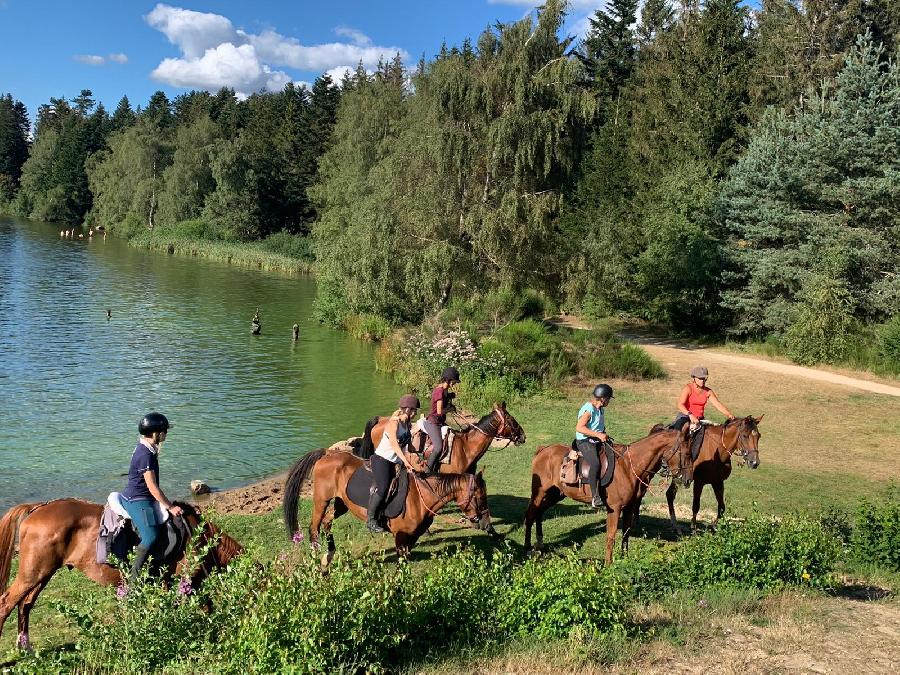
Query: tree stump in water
point(295, 331)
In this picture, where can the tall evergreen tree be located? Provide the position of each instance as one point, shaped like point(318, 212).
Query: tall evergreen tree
point(14, 145)
point(610, 47)
point(123, 116)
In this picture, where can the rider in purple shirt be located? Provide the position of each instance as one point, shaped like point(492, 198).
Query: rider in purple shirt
point(441, 398)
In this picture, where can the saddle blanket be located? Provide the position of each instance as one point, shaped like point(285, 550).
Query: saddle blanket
point(361, 483)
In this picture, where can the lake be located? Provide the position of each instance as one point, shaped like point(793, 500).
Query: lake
point(74, 384)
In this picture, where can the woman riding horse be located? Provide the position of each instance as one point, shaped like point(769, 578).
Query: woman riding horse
point(441, 399)
point(590, 434)
point(64, 532)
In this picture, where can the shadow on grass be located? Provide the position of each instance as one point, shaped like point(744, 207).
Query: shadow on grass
point(861, 592)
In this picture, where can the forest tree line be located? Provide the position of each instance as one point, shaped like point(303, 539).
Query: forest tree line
point(705, 165)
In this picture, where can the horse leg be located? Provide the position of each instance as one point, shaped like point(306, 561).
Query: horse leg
point(20, 589)
point(719, 490)
point(25, 606)
point(320, 507)
point(627, 523)
point(402, 543)
point(340, 508)
point(612, 526)
point(670, 499)
point(695, 505)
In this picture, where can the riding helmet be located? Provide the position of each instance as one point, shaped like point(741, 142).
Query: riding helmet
point(450, 375)
point(152, 422)
point(603, 391)
point(700, 372)
point(409, 401)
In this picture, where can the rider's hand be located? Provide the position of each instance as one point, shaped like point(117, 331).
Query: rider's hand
point(603, 436)
point(694, 421)
point(731, 418)
point(175, 510)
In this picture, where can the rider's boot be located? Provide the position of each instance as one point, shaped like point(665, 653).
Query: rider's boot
point(141, 553)
point(373, 512)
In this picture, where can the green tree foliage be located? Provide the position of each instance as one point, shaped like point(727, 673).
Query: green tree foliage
point(817, 195)
point(459, 183)
point(54, 183)
point(14, 130)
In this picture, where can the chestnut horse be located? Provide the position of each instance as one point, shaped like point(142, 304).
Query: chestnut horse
point(428, 494)
point(634, 464)
point(469, 444)
point(64, 532)
point(713, 463)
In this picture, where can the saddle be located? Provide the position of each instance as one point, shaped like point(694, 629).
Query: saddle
point(696, 438)
point(422, 443)
point(574, 471)
point(117, 536)
point(361, 483)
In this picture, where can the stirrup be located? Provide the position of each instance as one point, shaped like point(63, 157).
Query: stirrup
point(597, 502)
point(374, 526)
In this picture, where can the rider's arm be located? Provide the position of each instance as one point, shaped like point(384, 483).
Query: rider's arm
point(440, 406)
point(391, 431)
point(156, 491)
point(719, 405)
point(581, 428)
point(683, 400)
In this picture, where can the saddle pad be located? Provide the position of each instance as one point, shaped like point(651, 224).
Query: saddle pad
point(697, 442)
point(361, 482)
point(115, 503)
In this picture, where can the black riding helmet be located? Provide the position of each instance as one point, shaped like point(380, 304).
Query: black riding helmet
point(153, 422)
point(603, 391)
point(450, 375)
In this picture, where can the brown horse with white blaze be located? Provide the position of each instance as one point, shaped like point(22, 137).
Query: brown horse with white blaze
point(469, 444)
point(428, 493)
point(64, 532)
point(634, 465)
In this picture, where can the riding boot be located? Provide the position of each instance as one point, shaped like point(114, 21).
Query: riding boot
point(373, 512)
point(141, 553)
point(596, 498)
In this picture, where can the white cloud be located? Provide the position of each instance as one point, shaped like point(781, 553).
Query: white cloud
point(118, 57)
point(578, 19)
point(192, 32)
point(337, 74)
point(215, 54)
point(89, 59)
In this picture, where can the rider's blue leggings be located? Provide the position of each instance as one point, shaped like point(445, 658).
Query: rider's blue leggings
point(143, 516)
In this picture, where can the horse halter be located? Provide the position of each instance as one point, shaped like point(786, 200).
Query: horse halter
point(740, 447)
point(479, 513)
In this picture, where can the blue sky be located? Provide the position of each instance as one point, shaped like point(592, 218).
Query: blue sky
point(115, 47)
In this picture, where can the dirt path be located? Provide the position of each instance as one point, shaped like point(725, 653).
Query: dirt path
point(663, 349)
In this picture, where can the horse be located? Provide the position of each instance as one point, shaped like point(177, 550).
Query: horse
point(428, 494)
point(469, 444)
point(634, 464)
point(713, 463)
point(63, 532)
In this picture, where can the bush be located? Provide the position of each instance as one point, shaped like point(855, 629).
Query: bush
point(825, 330)
point(889, 344)
point(766, 554)
point(290, 245)
point(367, 327)
point(876, 532)
point(625, 361)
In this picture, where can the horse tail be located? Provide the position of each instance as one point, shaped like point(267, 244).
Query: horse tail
point(295, 480)
point(366, 448)
point(9, 525)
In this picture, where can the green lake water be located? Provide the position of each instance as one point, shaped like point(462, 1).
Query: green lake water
point(73, 384)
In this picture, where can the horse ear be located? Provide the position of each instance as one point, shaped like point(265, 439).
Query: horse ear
point(502, 405)
point(759, 419)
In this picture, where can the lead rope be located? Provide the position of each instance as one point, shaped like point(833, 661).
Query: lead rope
point(416, 480)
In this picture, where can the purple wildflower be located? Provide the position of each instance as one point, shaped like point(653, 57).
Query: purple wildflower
point(282, 556)
point(184, 587)
point(298, 537)
point(121, 591)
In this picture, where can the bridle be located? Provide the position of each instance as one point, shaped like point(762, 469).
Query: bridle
point(504, 428)
point(470, 495)
point(742, 441)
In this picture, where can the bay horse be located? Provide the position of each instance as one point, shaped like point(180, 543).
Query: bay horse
point(428, 494)
point(634, 464)
point(63, 532)
point(469, 444)
point(713, 463)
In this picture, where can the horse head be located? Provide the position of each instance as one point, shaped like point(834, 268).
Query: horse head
point(508, 427)
point(746, 439)
point(473, 501)
point(223, 548)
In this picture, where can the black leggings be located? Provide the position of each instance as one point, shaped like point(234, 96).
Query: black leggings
point(383, 471)
point(589, 451)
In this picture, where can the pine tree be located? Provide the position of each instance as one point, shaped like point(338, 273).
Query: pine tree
point(123, 116)
point(610, 48)
point(14, 145)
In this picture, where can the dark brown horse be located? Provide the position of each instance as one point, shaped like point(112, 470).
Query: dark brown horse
point(713, 464)
point(469, 444)
point(428, 494)
point(634, 464)
point(64, 533)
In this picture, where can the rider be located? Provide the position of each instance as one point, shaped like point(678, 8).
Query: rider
point(391, 451)
point(143, 487)
point(441, 398)
point(693, 398)
point(590, 432)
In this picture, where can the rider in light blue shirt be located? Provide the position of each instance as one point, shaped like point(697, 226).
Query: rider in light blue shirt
point(590, 431)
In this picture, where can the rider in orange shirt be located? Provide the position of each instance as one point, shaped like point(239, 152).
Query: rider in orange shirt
point(693, 399)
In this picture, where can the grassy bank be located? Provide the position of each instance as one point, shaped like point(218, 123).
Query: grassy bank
point(819, 466)
point(281, 252)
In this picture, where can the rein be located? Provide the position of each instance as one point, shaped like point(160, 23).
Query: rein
point(665, 459)
point(417, 480)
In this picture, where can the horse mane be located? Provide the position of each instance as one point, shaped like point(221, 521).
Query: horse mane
point(485, 423)
point(226, 546)
point(445, 483)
